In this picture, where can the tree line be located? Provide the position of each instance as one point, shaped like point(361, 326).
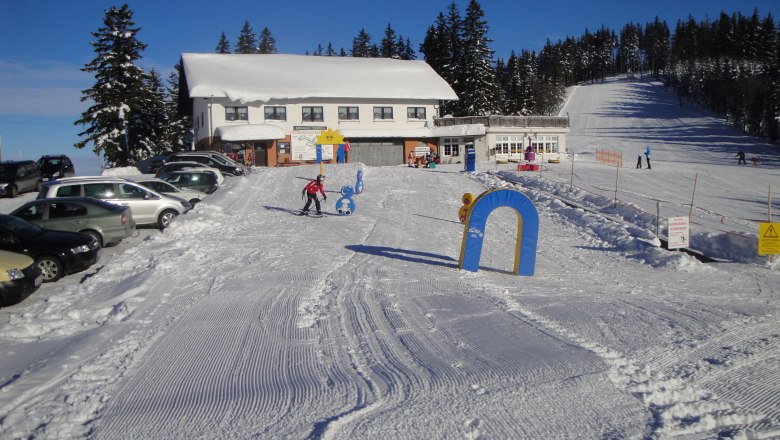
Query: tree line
point(730, 65)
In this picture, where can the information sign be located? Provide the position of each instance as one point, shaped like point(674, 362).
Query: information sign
point(769, 238)
point(679, 234)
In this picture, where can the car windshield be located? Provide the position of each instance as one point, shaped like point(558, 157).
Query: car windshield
point(222, 160)
point(162, 186)
point(19, 226)
point(8, 170)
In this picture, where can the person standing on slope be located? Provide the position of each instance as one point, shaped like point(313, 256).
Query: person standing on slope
point(741, 158)
point(310, 191)
point(647, 157)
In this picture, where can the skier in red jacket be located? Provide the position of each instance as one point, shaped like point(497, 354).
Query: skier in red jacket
point(310, 190)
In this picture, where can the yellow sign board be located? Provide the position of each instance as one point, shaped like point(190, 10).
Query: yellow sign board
point(768, 238)
point(330, 137)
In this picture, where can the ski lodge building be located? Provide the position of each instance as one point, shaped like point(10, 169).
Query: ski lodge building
point(277, 106)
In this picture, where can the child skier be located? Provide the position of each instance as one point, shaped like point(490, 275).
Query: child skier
point(310, 191)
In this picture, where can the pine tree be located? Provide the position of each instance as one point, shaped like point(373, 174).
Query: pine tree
point(658, 46)
point(388, 47)
point(329, 50)
point(476, 83)
point(178, 123)
point(267, 42)
point(223, 46)
point(154, 138)
point(361, 45)
point(247, 41)
point(407, 52)
point(115, 120)
point(431, 47)
point(629, 56)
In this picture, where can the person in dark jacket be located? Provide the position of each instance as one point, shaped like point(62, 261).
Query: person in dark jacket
point(741, 158)
point(310, 191)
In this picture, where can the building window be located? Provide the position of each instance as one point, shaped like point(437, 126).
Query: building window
point(348, 114)
point(312, 114)
point(236, 114)
point(275, 113)
point(451, 147)
point(545, 144)
point(415, 112)
point(282, 148)
point(509, 145)
point(383, 113)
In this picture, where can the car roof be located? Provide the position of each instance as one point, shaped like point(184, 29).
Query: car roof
point(88, 200)
point(15, 162)
point(88, 179)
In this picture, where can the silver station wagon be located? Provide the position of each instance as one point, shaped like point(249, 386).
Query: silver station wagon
point(148, 207)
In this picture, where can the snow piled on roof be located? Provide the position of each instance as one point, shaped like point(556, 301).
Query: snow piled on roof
point(246, 78)
point(249, 132)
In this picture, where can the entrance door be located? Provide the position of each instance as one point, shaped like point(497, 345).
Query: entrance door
point(261, 154)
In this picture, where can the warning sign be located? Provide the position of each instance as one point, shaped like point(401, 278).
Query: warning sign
point(678, 234)
point(768, 238)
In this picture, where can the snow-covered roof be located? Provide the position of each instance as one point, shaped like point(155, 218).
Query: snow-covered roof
point(247, 78)
point(249, 132)
point(458, 130)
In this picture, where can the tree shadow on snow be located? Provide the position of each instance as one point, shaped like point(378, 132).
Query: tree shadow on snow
point(405, 255)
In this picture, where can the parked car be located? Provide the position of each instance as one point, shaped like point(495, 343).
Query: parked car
point(221, 163)
point(107, 222)
point(175, 166)
point(163, 187)
point(56, 167)
point(19, 277)
point(19, 176)
point(199, 179)
point(56, 253)
point(149, 207)
point(222, 158)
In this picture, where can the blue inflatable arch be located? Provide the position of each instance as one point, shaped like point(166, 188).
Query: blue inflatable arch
point(527, 229)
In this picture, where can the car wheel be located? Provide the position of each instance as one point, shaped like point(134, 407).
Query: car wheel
point(38, 186)
point(166, 217)
point(94, 234)
point(13, 192)
point(51, 268)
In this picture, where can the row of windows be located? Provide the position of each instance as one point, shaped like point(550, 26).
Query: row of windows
point(316, 114)
point(514, 144)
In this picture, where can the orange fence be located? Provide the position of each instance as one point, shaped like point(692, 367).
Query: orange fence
point(609, 157)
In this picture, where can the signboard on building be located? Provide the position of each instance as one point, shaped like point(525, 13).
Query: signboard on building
point(303, 145)
point(679, 234)
point(768, 238)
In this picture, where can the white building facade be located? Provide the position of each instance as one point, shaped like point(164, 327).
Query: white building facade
point(385, 109)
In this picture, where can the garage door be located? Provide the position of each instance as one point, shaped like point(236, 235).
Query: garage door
point(377, 152)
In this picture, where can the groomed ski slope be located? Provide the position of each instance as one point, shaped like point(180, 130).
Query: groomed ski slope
point(245, 321)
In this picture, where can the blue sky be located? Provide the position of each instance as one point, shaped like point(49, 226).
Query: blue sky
point(44, 43)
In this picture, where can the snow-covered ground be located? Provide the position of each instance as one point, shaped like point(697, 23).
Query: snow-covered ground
point(243, 320)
